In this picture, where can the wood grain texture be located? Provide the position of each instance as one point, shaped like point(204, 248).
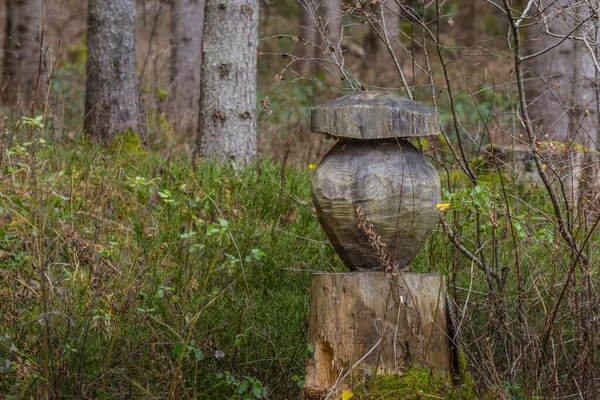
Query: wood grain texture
point(395, 186)
point(350, 312)
point(374, 115)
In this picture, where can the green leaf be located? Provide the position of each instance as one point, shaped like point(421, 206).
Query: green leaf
point(257, 390)
point(198, 354)
point(211, 230)
point(178, 349)
point(243, 387)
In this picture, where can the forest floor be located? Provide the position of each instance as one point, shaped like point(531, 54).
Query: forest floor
point(124, 274)
point(153, 278)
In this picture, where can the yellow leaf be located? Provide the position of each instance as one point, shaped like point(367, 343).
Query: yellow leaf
point(312, 166)
point(347, 395)
point(442, 206)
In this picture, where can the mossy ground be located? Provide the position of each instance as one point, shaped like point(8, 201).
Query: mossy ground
point(126, 142)
point(414, 383)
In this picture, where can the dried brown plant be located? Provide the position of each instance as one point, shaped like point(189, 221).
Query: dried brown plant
point(386, 261)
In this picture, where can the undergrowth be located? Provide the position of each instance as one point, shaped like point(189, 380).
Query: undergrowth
point(124, 275)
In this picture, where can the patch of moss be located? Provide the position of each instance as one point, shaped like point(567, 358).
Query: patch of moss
point(127, 142)
point(416, 382)
point(552, 145)
point(465, 377)
point(480, 162)
point(162, 94)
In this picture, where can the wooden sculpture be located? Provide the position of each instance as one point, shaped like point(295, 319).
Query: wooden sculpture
point(375, 196)
point(375, 168)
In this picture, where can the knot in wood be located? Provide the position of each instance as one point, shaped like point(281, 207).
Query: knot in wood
point(246, 10)
point(219, 115)
point(224, 70)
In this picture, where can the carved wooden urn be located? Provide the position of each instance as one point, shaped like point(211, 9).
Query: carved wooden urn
point(375, 170)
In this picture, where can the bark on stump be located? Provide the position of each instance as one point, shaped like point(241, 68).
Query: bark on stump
point(369, 323)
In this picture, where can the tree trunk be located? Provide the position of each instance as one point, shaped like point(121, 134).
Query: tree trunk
point(370, 323)
point(186, 25)
point(331, 17)
point(310, 38)
point(112, 100)
point(562, 102)
point(373, 43)
point(321, 29)
point(561, 90)
point(227, 127)
point(21, 71)
point(471, 17)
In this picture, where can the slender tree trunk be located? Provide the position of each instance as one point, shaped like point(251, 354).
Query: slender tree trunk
point(331, 17)
point(373, 44)
point(471, 17)
point(112, 101)
point(561, 89)
point(321, 29)
point(186, 25)
point(561, 80)
point(310, 38)
point(227, 128)
point(21, 70)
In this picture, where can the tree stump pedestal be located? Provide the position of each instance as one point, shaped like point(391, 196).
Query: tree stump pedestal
point(368, 323)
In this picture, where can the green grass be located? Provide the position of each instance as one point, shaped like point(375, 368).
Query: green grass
point(160, 279)
point(127, 275)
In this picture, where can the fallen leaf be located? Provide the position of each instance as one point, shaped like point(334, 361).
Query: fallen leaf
point(451, 22)
point(347, 395)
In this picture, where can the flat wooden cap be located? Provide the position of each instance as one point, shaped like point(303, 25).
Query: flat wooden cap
point(374, 115)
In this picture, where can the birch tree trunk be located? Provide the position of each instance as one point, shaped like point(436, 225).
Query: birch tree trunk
point(112, 101)
point(186, 25)
point(22, 70)
point(227, 127)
